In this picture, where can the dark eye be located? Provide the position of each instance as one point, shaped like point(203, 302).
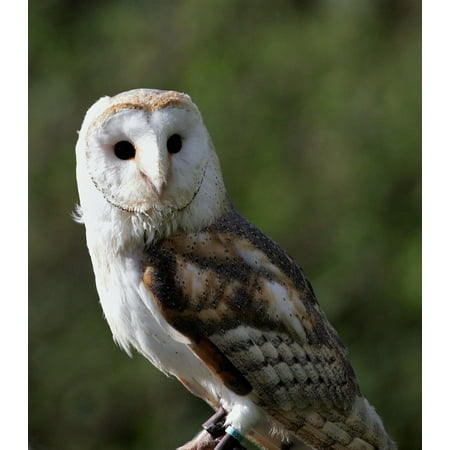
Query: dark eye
point(124, 150)
point(174, 143)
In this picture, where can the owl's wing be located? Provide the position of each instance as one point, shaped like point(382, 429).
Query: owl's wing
point(251, 315)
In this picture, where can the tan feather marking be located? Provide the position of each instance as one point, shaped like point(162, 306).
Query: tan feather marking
point(145, 101)
point(166, 100)
point(221, 366)
point(196, 287)
point(256, 258)
point(207, 315)
point(147, 278)
point(208, 245)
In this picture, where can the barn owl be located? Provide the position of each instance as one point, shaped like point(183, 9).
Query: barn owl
point(202, 293)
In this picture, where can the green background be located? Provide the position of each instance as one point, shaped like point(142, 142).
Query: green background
point(315, 111)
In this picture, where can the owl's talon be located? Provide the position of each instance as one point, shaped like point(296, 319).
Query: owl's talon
point(215, 424)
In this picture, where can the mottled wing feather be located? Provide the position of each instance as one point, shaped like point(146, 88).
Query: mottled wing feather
point(251, 315)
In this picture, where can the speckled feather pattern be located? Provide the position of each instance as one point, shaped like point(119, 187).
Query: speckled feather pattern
point(220, 287)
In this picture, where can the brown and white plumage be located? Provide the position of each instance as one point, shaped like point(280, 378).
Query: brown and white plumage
point(201, 292)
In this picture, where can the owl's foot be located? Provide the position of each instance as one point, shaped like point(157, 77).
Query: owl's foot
point(214, 436)
point(215, 425)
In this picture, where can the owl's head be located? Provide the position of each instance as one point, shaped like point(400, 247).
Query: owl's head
point(147, 152)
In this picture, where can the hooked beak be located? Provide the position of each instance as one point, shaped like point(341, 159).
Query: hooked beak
point(158, 182)
point(153, 165)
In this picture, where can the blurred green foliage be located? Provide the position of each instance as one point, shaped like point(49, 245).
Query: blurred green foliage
point(315, 111)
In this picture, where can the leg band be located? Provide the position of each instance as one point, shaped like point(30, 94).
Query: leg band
point(235, 433)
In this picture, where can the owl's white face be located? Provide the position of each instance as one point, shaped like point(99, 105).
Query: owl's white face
point(148, 152)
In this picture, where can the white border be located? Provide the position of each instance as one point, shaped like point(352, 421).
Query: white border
point(436, 222)
point(14, 229)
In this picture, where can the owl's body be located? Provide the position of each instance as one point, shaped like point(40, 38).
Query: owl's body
point(201, 292)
